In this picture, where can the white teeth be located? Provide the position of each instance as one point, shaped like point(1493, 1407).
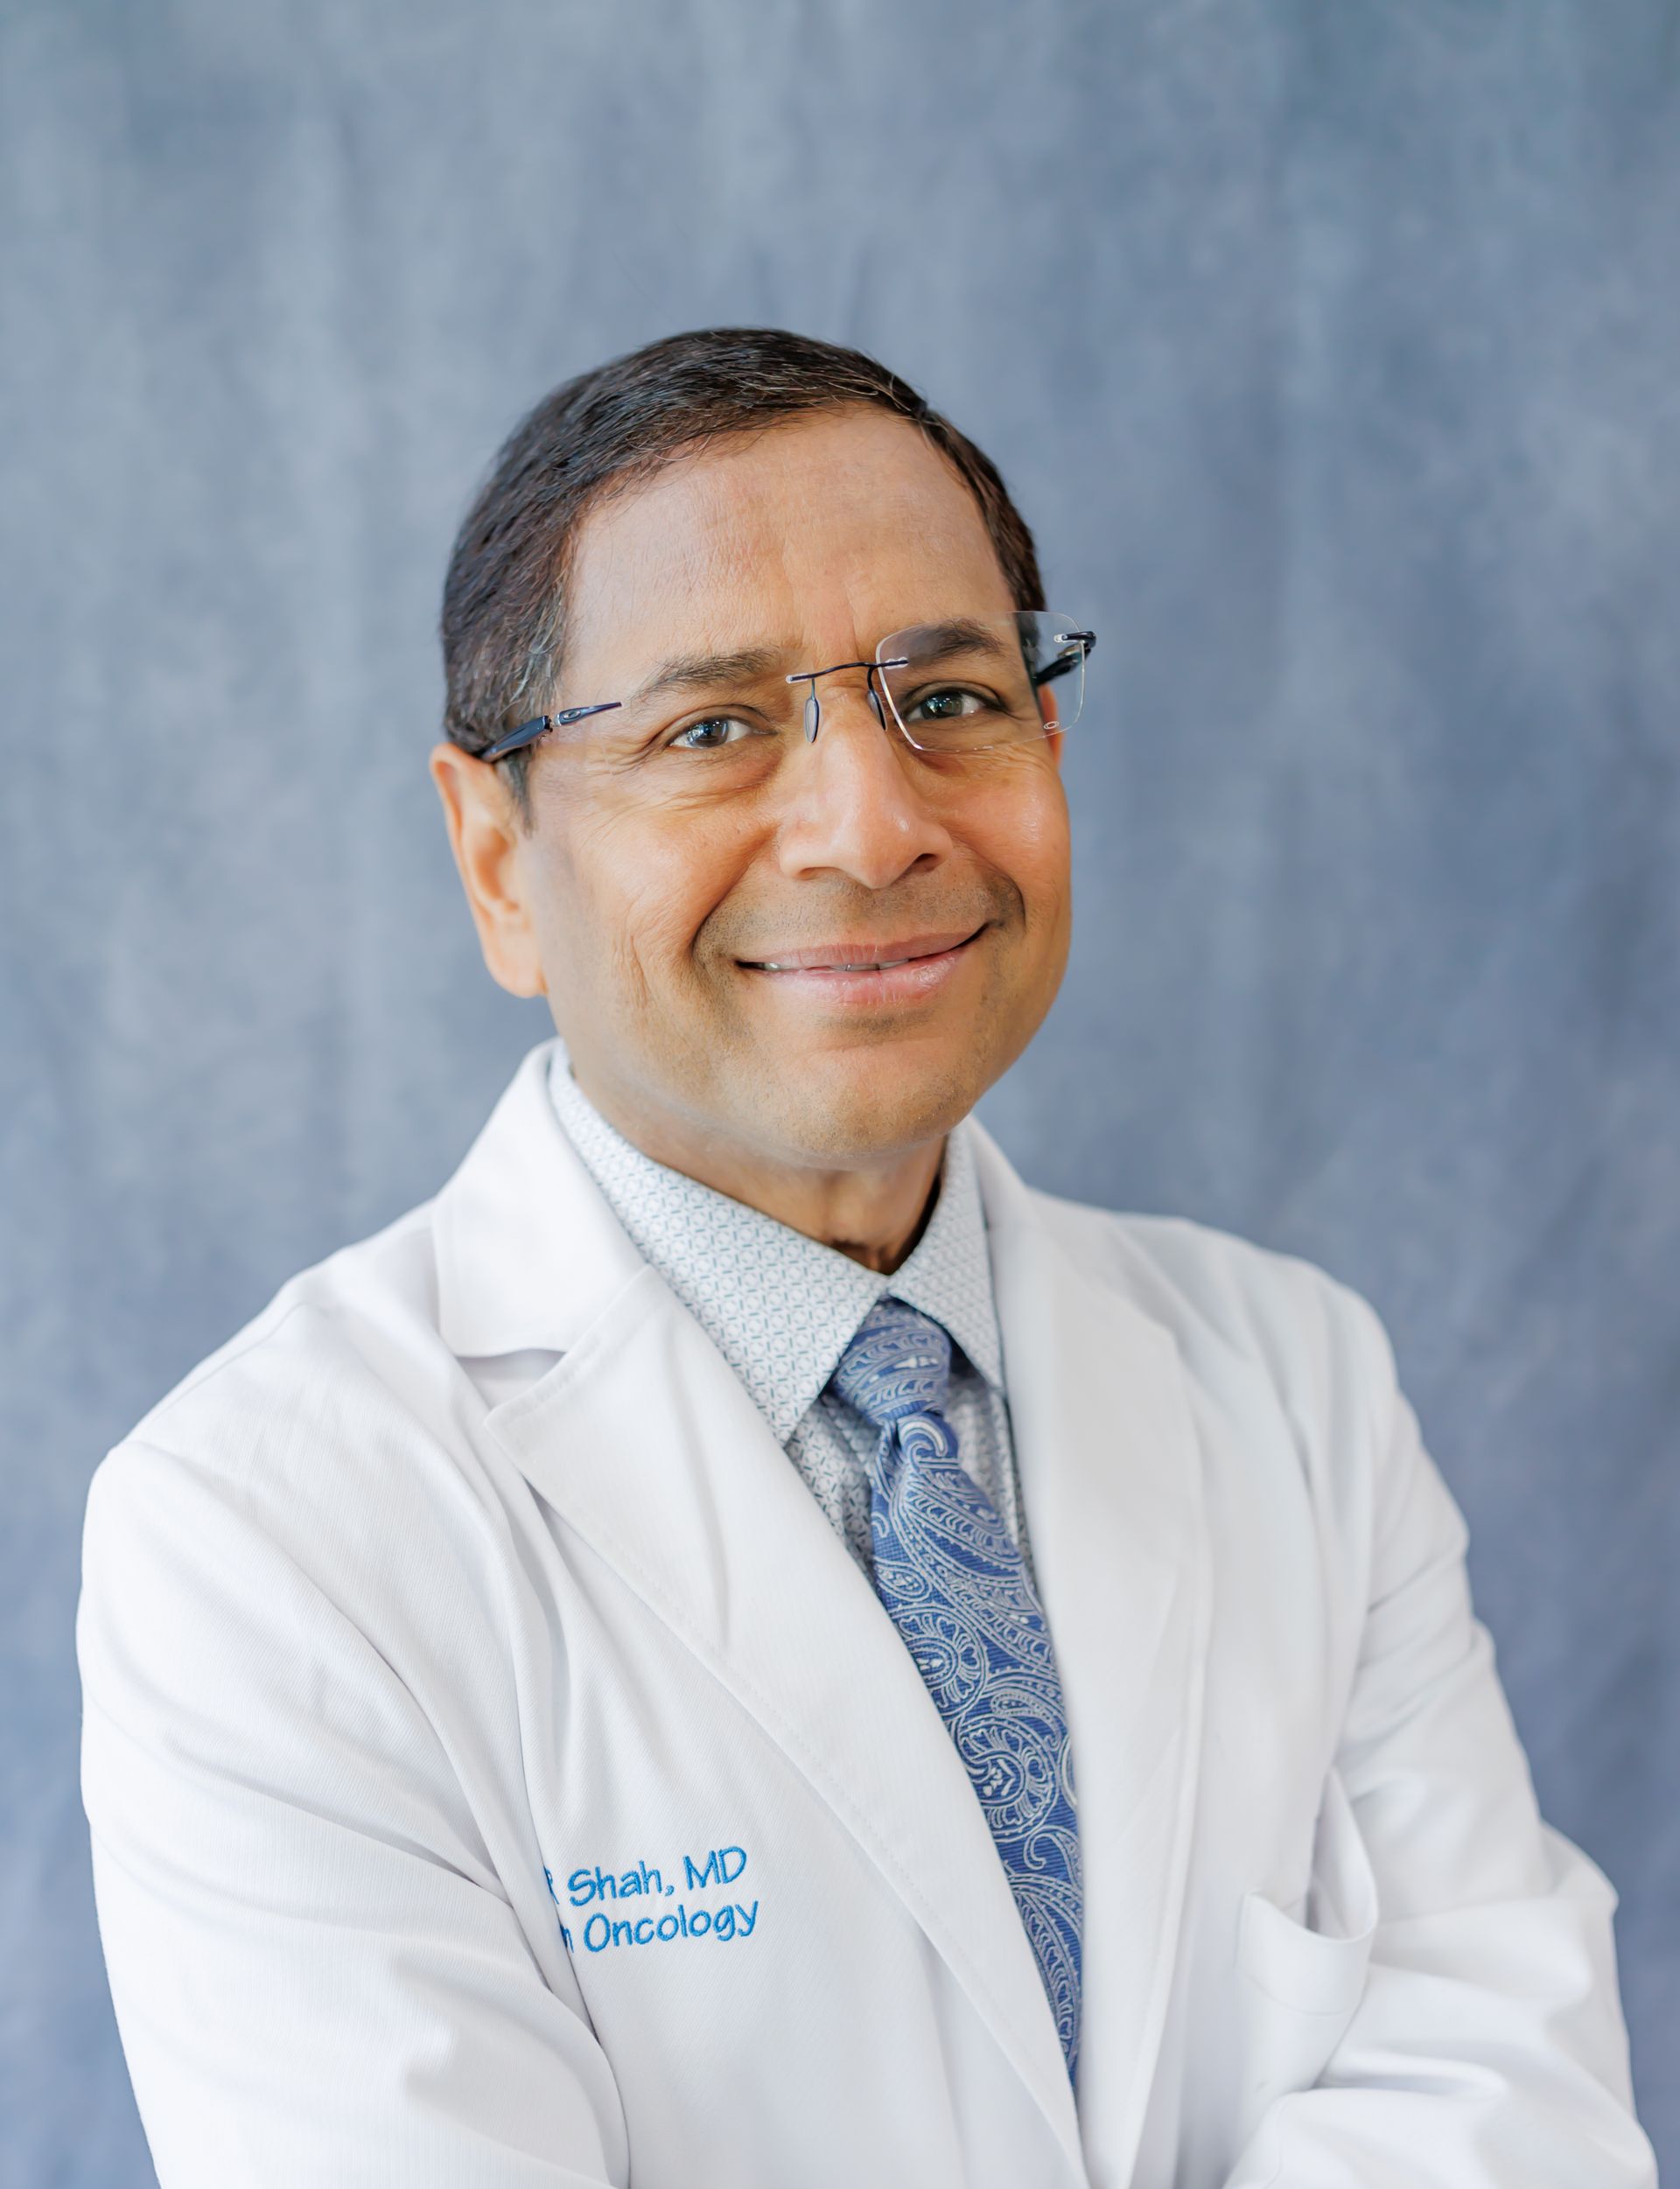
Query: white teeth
point(875, 965)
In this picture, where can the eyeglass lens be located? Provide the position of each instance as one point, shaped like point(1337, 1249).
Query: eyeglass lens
point(974, 683)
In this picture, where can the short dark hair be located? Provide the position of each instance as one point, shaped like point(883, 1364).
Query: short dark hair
point(504, 600)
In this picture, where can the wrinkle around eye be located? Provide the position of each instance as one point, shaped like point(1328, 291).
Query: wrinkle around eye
point(676, 741)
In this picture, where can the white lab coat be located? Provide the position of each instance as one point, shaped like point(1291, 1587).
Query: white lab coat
point(369, 1660)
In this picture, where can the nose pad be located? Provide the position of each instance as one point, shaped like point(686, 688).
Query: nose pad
point(812, 716)
point(875, 701)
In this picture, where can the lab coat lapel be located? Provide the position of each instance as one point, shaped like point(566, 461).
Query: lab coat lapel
point(1110, 1480)
point(644, 1441)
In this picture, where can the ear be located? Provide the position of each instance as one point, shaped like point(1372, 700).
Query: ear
point(490, 844)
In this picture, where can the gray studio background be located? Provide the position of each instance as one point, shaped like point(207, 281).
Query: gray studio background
point(1334, 347)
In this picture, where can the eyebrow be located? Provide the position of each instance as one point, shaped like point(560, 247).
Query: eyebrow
point(954, 638)
point(940, 640)
point(697, 672)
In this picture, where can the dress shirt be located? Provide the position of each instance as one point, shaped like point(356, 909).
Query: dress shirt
point(781, 1309)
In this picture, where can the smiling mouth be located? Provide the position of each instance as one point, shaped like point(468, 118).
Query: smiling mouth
point(862, 957)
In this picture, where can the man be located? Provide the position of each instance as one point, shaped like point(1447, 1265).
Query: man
point(740, 1645)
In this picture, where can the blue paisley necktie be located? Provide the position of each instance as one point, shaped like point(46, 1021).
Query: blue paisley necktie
point(957, 1589)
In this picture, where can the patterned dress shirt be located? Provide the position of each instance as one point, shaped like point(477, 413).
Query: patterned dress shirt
point(781, 1309)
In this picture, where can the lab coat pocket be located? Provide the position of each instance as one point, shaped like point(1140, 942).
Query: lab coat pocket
point(1304, 1977)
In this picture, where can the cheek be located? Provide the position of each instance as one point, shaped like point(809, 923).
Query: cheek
point(1022, 831)
point(623, 898)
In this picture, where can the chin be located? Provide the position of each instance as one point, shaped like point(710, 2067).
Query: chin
point(861, 1105)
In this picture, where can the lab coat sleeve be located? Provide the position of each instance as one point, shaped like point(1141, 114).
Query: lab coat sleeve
point(1488, 2050)
point(318, 1976)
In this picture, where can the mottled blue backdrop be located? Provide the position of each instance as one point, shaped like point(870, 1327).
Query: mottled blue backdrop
point(1333, 347)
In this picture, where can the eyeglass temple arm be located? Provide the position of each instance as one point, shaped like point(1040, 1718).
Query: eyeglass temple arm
point(528, 732)
point(1086, 641)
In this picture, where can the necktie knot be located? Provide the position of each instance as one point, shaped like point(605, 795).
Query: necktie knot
point(898, 1364)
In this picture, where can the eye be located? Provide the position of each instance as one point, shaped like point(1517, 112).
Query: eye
point(711, 734)
point(950, 702)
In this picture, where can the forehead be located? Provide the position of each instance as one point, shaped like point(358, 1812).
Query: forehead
point(820, 533)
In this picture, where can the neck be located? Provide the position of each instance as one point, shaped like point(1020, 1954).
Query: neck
point(874, 1214)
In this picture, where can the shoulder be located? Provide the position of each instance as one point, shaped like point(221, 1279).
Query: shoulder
point(1211, 1286)
point(331, 1424)
point(362, 1321)
point(345, 1420)
point(265, 1558)
point(1257, 1325)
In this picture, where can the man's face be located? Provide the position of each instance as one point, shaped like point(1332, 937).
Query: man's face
point(688, 904)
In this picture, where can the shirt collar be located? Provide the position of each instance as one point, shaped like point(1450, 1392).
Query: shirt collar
point(782, 1308)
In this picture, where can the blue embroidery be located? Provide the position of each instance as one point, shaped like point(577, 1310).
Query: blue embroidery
point(565, 1935)
point(957, 1589)
point(723, 1866)
point(716, 1869)
point(731, 1920)
point(584, 1886)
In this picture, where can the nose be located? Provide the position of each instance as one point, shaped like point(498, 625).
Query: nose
point(855, 807)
